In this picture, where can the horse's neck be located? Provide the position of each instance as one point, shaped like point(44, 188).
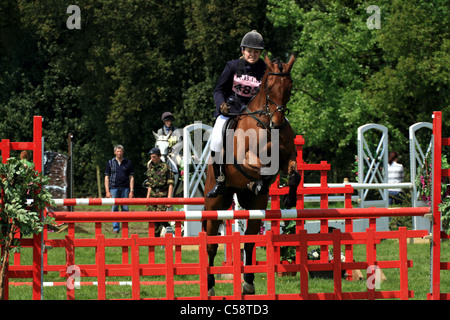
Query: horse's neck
point(257, 102)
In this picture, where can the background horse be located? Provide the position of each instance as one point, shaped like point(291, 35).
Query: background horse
point(168, 156)
point(264, 114)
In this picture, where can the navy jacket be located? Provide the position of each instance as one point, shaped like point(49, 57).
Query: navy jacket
point(119, 173)
point(244, 87)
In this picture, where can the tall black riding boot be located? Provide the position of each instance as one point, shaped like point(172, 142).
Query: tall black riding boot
point(219, 188)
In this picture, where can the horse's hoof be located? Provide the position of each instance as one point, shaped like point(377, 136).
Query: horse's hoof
point(288, 202)
point(211, 292)
point(248, 288)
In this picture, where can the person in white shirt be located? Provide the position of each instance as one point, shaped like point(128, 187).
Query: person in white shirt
point(395, 175)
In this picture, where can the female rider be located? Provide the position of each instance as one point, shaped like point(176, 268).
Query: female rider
point(238, 83)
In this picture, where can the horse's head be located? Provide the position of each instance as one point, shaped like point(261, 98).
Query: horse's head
point(276, 86)
point(162, 143)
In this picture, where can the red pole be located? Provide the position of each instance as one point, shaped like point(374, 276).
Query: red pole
point(338, 213)
point(337, 270)
point(5, 148)
point(403, 257)
point(37, 143)
point(370, 258)
point(70, 261)
point(127, 201)
point(436, 199)
point(101, 266)
point(135, 277)
point(170, 292)
point(37, 238)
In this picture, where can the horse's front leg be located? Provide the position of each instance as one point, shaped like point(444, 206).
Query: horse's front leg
point(252, 228)
point(293, 182)
point(212, 227)
point(248, 287)
point(212, 251)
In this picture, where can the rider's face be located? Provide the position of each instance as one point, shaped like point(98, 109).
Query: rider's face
point(168, 123)
point(251, 55)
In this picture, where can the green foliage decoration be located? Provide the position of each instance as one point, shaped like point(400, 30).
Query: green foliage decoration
point(424, 184)
point(22, 199)
point(288, 252)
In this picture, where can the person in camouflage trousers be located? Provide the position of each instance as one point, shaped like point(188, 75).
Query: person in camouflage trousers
point(160, 181)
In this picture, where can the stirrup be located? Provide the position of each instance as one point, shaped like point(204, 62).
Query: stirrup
point(219, 187)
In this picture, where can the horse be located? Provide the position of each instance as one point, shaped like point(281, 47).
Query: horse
point(265, 116)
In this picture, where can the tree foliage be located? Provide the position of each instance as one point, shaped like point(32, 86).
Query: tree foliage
point(347, 74)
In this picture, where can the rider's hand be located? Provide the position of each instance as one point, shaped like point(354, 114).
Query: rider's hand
point(224, 109)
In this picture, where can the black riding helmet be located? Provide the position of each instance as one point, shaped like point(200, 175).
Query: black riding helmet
point(167, 116)
point(154, 150)
point(253, 40)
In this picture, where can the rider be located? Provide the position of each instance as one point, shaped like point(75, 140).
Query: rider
point(238, 83)
point(168, 127)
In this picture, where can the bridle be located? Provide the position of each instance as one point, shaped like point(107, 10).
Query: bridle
point(266, 107)
point(265, 111)
point(279, 107)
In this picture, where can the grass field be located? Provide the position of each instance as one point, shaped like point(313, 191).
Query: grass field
point(387, 250)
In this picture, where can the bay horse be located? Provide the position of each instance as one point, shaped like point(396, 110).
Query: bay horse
point(264, 115)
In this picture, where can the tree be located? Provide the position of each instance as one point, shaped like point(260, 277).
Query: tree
point(214, 30)
point(413, 81)
point(347, 74)
point(336, 53)
point(110, 81)
point(18, 183)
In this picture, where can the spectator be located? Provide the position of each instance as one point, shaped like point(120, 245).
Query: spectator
point(25, 159)
point(119, 180)
point(395, 175)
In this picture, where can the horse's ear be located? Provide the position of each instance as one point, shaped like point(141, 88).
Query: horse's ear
point(155, 135)
point(290, 63)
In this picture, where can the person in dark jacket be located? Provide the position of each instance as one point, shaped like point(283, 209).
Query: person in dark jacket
point(119, 180)
point(238, 83)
